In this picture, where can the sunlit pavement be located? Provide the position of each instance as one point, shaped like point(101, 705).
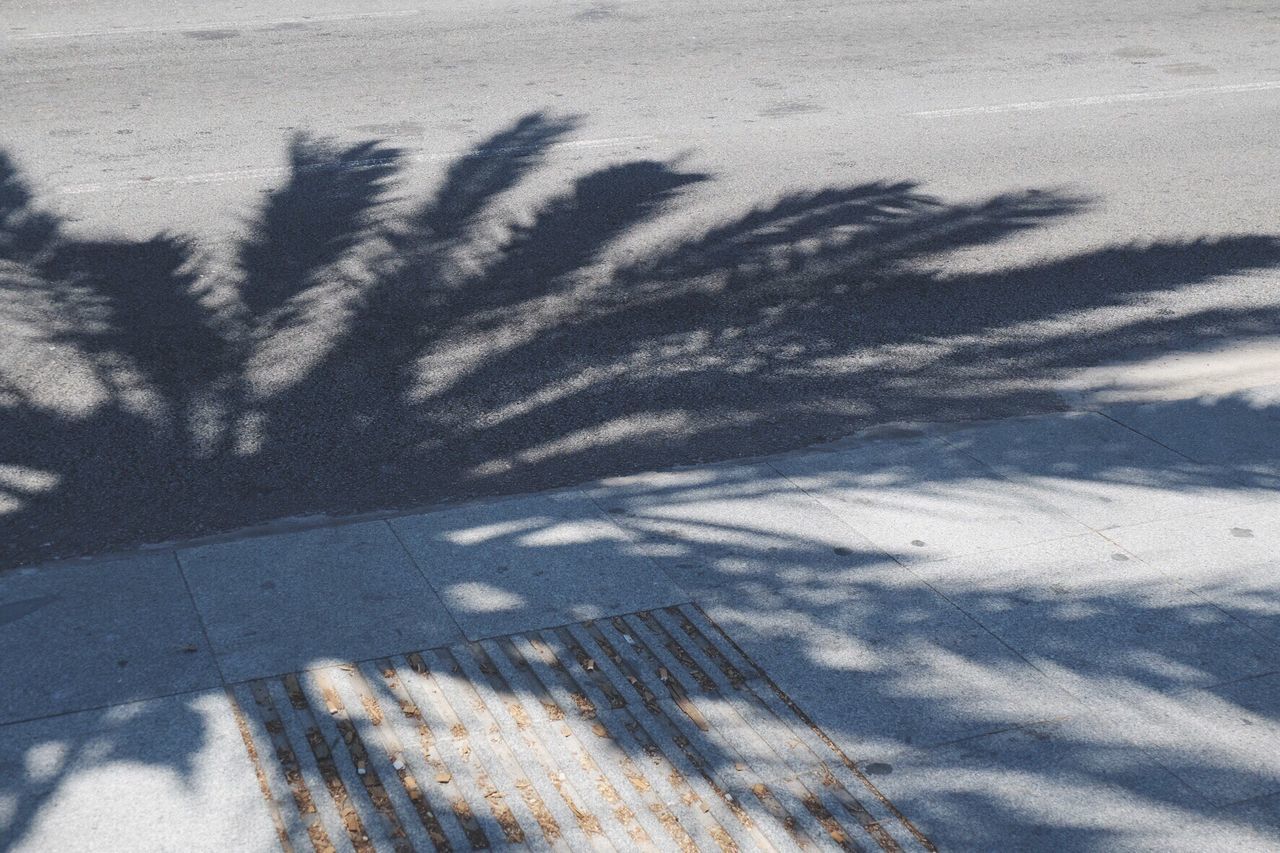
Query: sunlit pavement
point(1056, 630)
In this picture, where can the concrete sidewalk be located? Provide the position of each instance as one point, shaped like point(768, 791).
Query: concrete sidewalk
point(1051, 631)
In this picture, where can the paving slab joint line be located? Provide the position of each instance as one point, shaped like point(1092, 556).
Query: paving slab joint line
point(425, 576)
point(1234, 617)
point(1152, 439)
point(823, 736)
point(1014, 727)
point(372, 659)
point(908, 566)
point(1257, 798)
point(107, 706)
point(195, 608)
point(626, 535)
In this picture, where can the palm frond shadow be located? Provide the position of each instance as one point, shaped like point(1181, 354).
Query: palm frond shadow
point(366, 360)
point(363, 360)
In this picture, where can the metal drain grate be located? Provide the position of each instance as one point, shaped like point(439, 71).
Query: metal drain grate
point(651, 730)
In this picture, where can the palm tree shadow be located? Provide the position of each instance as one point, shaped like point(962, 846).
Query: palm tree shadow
point(421, 360)
point(368, 360)
point(315, 219)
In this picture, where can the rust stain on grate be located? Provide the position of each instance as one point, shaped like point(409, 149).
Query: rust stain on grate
point(650, 730)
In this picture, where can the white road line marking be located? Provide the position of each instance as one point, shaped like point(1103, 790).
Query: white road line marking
point(1120, 98)
point(353, 166)
point(217, 25)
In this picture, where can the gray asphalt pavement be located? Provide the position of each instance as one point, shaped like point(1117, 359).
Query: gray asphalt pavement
point(329, 257)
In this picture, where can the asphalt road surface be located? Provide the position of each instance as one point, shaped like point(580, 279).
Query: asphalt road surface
point(262, 260)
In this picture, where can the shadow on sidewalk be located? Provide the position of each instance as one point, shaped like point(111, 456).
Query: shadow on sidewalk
point(359, 360)
point(423, 359)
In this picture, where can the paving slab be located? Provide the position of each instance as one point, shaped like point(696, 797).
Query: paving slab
point(921, 499)
point(1223, 742)
point(924, 626)
point(532, 562)
point(164, 774)
point(826, 610)
point(1068, 785)
point(1261, 811)
point(1239, 432)
point(1098, 471)
point(279, 603)
point(1103, 625)
point(741, 526)
point(1231, 558)
point(86, 634)
point(890, 670)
